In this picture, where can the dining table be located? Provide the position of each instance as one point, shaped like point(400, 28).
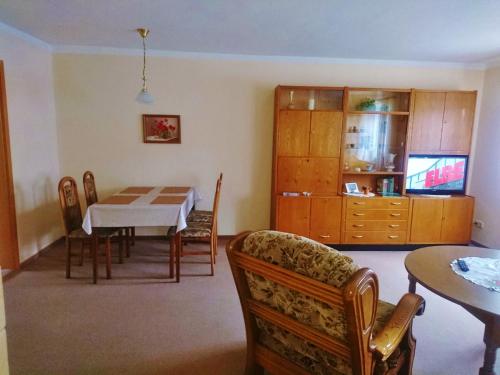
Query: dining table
point(142, 206)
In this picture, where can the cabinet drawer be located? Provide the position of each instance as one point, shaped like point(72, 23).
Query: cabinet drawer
point(360, 214)
point(330, 237)
point(373, 203)
point(392, 225)
point(374, 237)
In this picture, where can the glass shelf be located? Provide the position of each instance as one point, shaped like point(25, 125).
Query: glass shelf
point(379, 101)
point(386, 173)
point(318, 99)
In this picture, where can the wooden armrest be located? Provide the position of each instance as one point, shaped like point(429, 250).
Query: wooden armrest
point(391, 335)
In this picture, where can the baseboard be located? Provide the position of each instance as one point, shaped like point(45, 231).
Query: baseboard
point(477, 244)
point(31, 259)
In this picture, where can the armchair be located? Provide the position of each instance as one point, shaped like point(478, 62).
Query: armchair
point(309, 309)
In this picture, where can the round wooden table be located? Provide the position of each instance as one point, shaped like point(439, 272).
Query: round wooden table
point(430, 267)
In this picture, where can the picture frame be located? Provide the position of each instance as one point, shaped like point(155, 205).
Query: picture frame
point(351, 187)
point(161, 128)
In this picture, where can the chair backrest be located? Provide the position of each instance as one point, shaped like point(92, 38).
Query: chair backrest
point(215, 207)
point(89, 188)
point(295, 288)
point(70, 204)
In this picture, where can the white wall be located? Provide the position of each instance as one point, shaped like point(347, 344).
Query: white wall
point(33, 140)
point(485, 178)
point(226, 108)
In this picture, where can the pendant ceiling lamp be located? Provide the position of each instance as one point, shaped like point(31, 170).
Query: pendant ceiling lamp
point(144, 96)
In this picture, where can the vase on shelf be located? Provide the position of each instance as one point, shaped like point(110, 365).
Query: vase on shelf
point(389, 162)
point(291, 105)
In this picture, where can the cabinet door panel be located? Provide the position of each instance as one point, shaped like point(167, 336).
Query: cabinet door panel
point(325, 219)
point(324, 175)
point(426, 220)
point(294, 175)
point(293, 215)
point(326, 130)
point(457, 121)
point(457, 220)
point(293, 133)
point(427, 121)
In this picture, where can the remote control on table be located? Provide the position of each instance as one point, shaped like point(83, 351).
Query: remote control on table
point(462, 265)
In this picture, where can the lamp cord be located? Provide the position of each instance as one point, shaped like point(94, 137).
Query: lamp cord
point(144, 64)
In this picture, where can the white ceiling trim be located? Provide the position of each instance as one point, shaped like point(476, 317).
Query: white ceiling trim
point(95, 50)
point(25, 36)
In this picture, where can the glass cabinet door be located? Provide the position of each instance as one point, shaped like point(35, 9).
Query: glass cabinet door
point(374, 142)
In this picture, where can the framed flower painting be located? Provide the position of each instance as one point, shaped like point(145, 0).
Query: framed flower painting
point(161, 128)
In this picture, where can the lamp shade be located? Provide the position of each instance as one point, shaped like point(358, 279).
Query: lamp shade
point(144, 97)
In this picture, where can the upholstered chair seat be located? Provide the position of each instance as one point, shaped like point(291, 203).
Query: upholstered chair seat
point(200, 216)
point(193, 230)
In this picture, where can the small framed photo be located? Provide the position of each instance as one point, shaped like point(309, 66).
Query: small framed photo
point(161, 128)
point(351, 187)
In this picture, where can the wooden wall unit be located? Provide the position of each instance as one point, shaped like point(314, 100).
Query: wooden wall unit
point(317, 137)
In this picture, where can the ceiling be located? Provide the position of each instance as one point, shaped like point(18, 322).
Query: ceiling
point(462, 31)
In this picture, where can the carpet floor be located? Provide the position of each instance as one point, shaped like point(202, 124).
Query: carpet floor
point(142, 323)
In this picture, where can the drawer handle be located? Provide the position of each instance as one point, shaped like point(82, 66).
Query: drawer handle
point(359, 203)
point(358, 225)
point(358, 214)
point(395, 214)
point(393, 236)
point(324, 236)
point(393, 225)
point(396, 203)
point(358, 236)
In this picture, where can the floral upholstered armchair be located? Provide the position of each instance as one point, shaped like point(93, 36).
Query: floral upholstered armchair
point(309, 309)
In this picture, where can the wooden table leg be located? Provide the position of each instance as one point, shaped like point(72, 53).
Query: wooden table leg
point(178, 245)
point(94, 245)
point(171, 258)
point(412, 288)
point(492, 341)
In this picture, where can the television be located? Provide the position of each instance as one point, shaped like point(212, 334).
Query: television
point(436, 174)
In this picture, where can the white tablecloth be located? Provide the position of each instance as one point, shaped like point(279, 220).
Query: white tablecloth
point(482, 271)
point(140, 213)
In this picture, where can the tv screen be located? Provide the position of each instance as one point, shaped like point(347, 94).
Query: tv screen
point(436, 174)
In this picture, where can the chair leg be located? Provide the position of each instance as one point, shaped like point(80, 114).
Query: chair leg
point(82, 252)
point(178, 250)
point(94, 250)
point(132, 230)
point(215, 239)
point(68, 258)
point(108, 258)
point(172, 256)
point(127, 242)
point(212, 256)
point(215, 248)
point(120, 246)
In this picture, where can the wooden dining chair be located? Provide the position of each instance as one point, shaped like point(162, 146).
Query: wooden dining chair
point(202, 216)
point(309, 309)
point(91, 198)
point(72, 219)
point(205, 232)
